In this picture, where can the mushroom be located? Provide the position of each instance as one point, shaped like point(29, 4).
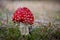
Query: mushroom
point(24, 17)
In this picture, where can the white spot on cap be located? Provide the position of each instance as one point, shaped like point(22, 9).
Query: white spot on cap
point(28, 15)
point(18, 16)
point(15, 18)
point(31, 19)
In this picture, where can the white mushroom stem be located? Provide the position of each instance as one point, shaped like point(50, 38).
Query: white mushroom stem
point(24, 29)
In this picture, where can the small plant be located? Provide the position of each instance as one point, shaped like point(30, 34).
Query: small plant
point(9, 34)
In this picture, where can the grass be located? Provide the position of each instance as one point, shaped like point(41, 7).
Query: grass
point(42, 33)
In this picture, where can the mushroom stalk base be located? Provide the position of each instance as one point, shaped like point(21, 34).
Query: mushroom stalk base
point(23, 29)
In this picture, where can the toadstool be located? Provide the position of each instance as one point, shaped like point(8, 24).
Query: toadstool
point(24, 17)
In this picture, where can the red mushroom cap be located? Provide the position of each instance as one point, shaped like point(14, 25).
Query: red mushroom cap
point(23, 15)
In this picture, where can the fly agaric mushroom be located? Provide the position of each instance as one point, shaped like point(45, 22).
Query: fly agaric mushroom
point(23, 16)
